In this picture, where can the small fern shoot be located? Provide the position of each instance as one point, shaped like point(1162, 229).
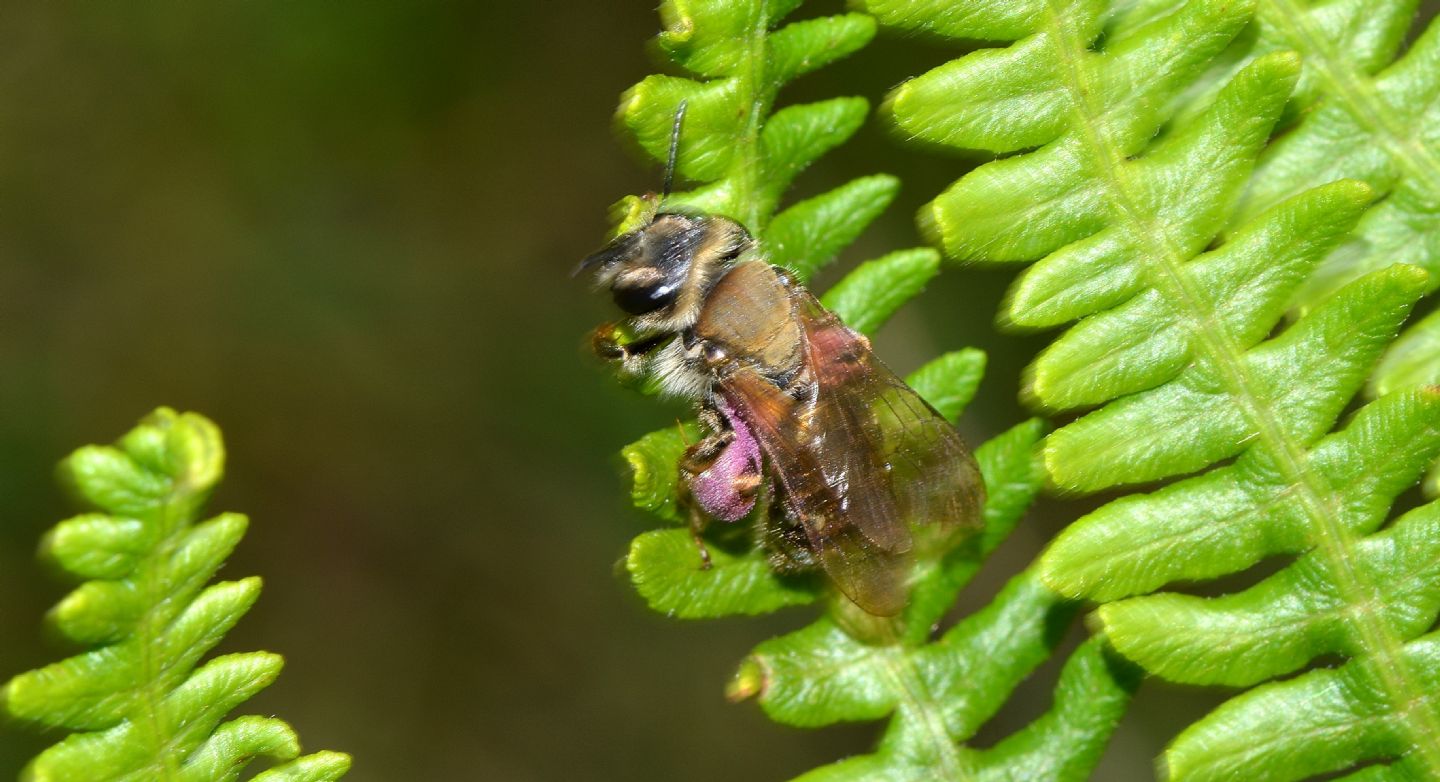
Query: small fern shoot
point(847, 666)
point(139, 708)
point(733, 140)
point(1174, 345)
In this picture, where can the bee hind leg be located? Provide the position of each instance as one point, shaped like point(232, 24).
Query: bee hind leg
point(698, 522)
point(719, 477)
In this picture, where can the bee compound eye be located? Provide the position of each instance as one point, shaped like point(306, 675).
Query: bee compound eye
point(638, 300)
point(714, 354)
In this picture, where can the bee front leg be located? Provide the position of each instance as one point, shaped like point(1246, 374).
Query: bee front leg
point(605, 342)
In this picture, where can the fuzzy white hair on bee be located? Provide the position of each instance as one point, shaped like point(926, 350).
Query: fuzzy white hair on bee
point(677, 370)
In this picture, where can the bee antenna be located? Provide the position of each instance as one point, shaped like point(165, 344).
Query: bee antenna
point(674, 151)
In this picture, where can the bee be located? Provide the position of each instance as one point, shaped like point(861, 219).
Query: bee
point(796, 407)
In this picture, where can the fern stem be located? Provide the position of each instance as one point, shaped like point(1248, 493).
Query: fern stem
point(909, 682)
point(759, 96)
point(1355, 92)
point(1163, 267)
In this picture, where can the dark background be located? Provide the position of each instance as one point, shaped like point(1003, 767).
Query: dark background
point(344, 232)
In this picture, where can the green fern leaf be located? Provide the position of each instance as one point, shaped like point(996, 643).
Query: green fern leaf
point(139, 707)
point(1174, 346)
point(870, 294)
point(849, 666)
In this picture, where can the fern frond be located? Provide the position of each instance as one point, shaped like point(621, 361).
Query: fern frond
point(1174, 345)
point(1365, 115)
point(849, 666)
point(139, 707)
point(746, 155)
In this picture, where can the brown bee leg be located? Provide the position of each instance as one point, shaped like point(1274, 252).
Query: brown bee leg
point(697, 459)
point(714, 424)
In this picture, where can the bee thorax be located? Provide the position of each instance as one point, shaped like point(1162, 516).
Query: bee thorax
point(749, 316)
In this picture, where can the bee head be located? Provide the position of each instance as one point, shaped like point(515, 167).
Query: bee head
point(660, 272)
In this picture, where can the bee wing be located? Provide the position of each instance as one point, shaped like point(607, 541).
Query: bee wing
point(829, 490)
point(862, 459)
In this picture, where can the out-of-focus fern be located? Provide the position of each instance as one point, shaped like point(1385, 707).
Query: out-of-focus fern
point(848, 666)
point(1174, 345)
point(1413, 361)
point(139, 709)
point(1364, 115)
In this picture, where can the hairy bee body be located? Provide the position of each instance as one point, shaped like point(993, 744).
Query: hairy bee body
point(795, 404)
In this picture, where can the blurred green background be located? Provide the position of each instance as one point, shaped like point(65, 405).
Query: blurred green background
point(344, 231)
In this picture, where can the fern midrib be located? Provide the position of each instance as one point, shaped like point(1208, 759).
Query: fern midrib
point(1163, 267)
point(1356, 92)
point(148, 631)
